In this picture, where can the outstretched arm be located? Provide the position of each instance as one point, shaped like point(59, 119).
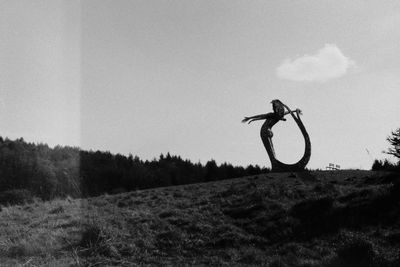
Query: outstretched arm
point(289, 111)
point(255, 118)
point(295, 113)
point(298, 111)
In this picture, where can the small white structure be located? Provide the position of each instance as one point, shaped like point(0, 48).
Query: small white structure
point(332, 167)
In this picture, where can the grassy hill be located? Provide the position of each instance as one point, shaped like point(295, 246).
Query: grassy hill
point(321, 218)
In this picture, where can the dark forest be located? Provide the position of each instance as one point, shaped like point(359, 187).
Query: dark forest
point(40, 171)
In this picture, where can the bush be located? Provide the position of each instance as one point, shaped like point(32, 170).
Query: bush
point(15, 197)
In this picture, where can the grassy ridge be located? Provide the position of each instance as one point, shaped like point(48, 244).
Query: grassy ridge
point(343, 218)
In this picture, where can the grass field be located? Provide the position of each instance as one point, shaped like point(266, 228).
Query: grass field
point(320, 218)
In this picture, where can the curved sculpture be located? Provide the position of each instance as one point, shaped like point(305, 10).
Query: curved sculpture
point(266, 135)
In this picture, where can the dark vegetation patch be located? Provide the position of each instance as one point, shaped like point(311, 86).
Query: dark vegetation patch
point(226, 235)
point(385, 165)
point(96, 240)
point(59, 209)
point(167, 213)
point(58, 172)
point(251, 255)
point(169, 241)
point(15, 197)
point(357, 210)
point(123, 203)
point(22, 250)
point(356, 253)
point(360, 251)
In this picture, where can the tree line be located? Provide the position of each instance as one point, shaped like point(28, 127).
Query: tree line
point(62, 171)
point(394, 150)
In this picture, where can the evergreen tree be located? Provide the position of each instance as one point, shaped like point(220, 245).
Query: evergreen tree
point(394, 140)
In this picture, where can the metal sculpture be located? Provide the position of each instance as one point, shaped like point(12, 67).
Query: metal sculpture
point(266, 135)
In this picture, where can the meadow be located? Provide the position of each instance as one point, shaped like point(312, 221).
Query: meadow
point(312, 218)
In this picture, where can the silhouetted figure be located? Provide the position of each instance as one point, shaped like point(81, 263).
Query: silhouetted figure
point(266, 135)
point(271, 118)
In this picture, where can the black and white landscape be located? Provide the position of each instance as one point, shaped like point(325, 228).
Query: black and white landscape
point(121, 142)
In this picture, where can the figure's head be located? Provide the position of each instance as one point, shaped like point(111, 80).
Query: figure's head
point(278, 108)
point(276, 101)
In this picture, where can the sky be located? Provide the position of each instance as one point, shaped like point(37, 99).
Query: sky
point(151, 77)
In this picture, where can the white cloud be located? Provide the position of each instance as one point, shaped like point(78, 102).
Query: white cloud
point(328, 63)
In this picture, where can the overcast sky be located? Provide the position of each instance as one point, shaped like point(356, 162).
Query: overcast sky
point(150, 77)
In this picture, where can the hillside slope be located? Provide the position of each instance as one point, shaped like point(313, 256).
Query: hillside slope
point(341, 218)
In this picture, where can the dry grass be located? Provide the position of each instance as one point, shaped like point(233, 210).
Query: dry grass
point(346, 218)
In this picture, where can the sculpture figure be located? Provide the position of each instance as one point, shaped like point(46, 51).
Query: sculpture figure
point(266, 135)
